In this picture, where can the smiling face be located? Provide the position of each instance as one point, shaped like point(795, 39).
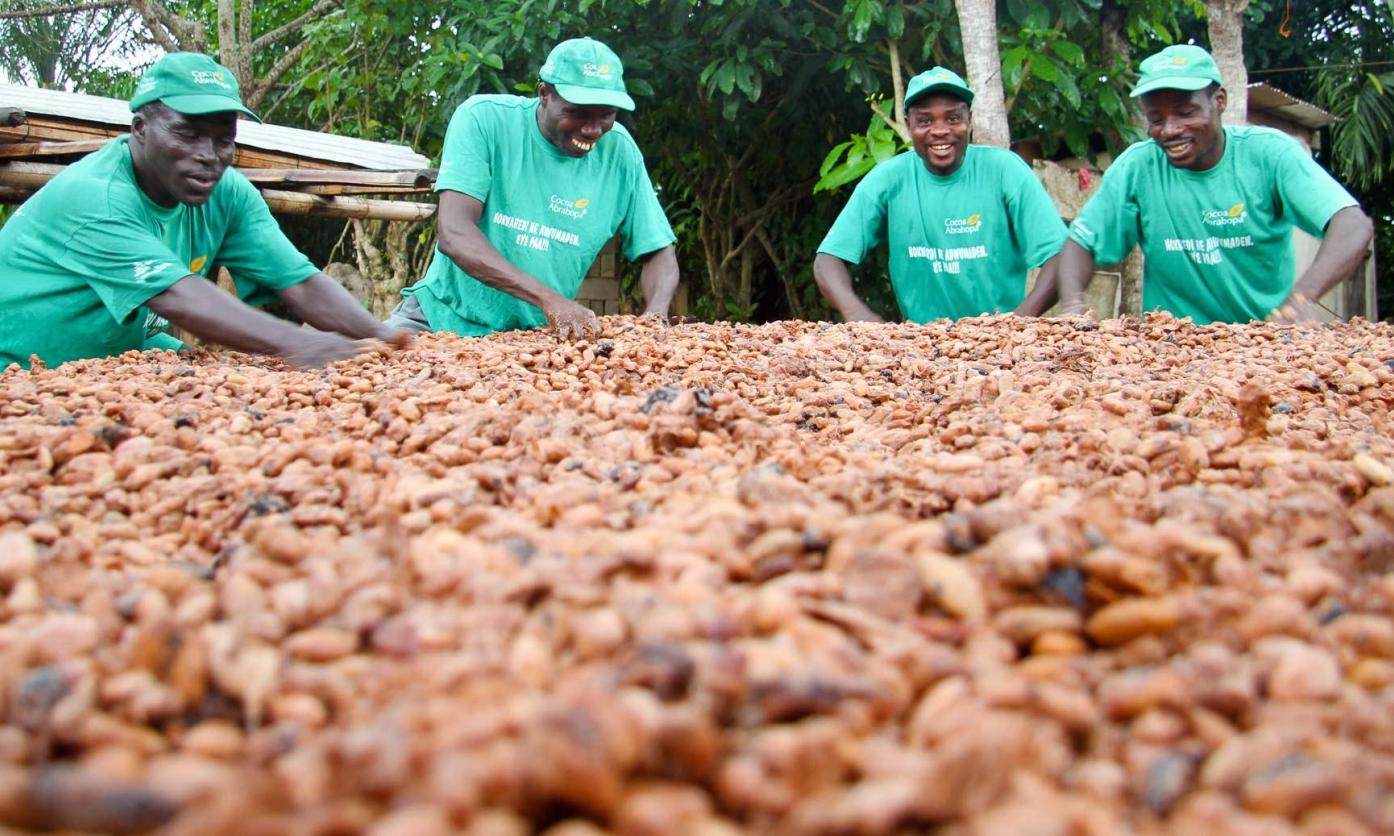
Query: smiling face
point(939, 128)
point(574, 129)
point(1186, 124)
point(180, 158)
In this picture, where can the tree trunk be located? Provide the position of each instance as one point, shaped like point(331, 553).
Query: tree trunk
point(977, 19)
point(237, 49)
point(1226, 22)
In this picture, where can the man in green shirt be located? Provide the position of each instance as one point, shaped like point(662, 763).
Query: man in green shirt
point(1213, 208)
point(123, 242)
point(963, 222)
point(530, 190)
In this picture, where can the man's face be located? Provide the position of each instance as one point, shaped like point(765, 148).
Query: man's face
point(180, 158)
point(1186, 123)
point(574, 129)
point(939, 128)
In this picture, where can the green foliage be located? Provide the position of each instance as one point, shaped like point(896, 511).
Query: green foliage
point(1362, 139)
point(850, 161)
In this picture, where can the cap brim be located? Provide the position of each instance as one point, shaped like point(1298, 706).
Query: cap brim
point(578, 95)
point(203, 105)
point(1174, 82)
point(943, 87)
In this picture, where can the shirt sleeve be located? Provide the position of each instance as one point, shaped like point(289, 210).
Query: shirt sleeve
point(1036, 223)
point(465, 164)
point(255, 251)
point(1306, 189)
point(860, 225)
point(123, 263)
point(645, 227)
point(1107, 226)
point(162, 342)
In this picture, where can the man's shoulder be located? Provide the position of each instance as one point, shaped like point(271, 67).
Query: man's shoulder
point(892, 171)
point(1002, 165)
point(495, 106)
point(1143, 153)
point(1259, 140)
point(99, 182)
point(997, 157)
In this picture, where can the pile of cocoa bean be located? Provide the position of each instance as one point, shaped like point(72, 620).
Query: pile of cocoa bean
point(999, 576)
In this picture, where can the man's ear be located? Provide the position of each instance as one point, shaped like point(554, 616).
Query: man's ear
point(1221, 98)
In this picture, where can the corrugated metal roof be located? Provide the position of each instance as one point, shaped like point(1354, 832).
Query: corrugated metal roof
point(1269, 99)
point(376, 156)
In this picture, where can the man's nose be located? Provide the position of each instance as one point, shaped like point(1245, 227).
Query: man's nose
point(204, 151)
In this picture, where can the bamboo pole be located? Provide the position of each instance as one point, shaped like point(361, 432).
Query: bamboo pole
point(49, 149)
point(21, 176)
point(297, 203)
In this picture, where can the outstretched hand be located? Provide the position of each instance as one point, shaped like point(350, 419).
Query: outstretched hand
point(1297, 308)
point(572, 321)
point(320, 348)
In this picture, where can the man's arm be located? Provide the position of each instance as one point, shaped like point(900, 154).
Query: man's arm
point(1075, 272)
point(326, 305)
point(463, 242)
point(1342, 249)
point(1044, 292)
point(835, 283)
point(658, 278)
point(199, 307)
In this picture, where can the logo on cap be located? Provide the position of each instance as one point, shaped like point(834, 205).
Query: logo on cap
point(206, 77)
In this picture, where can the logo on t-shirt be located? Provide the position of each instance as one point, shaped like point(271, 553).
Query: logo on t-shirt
point(575, 209)
point(963, 226)
point(1236, 214)
point(198, 263)
point(145, 270)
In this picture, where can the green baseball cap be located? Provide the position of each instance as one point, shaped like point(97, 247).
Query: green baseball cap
point(192, 84)
point(939, 78)
point(1179, 67)
point(586, 72)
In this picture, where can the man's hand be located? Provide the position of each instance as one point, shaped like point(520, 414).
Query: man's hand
point(835, 283)
point(861, 313)
point(320, 348)
point(571, 320)
point(1298, 308)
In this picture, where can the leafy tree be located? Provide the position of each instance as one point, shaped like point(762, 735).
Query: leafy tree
point(44, 46)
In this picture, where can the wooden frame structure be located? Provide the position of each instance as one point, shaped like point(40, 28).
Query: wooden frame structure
point(298, 172)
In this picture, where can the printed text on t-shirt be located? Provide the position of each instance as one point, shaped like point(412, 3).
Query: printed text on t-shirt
point(946, 259)
point(1207, 250)
point(534, 235)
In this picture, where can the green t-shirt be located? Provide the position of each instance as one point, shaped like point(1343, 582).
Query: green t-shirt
point(80, 259)
point(547, 214)
point(960, 245)
point(1217, 244)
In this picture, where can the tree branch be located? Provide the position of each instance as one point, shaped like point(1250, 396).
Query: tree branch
point(72, 8)
point(171, 32)
point(263, 85)
point(317, 11)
